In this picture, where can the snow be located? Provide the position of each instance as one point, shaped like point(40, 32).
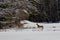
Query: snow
point(51, 31)
point(30, 35)
point(47, 26)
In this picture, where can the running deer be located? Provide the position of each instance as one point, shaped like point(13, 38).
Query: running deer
point(39, 26)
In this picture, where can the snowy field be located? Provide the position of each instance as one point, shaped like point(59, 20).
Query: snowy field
point(51, 31)
point(46, 27)
point(30, 35)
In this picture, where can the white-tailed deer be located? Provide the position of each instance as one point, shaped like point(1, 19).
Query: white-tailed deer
point(39, 26)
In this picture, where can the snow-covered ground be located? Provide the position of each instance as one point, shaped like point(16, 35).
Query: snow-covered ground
point(51, 31)
point(30, 35)
point(46, 27)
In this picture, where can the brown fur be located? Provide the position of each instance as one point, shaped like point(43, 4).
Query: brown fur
point(39, 26)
